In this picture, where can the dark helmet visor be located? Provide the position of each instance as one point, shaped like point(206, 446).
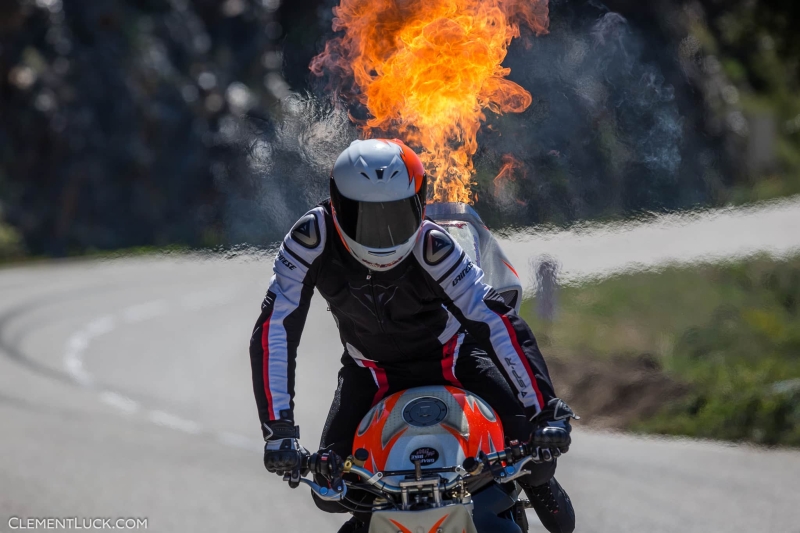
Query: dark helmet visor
point(378, 224)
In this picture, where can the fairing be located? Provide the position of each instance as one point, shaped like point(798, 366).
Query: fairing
point(452, 518)
point(465, 226)
point(395, 431)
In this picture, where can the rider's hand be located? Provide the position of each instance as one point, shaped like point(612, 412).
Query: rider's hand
point(551, 438)
point(282, 452)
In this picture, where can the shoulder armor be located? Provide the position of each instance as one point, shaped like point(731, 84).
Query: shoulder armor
point(306, 231)
point(438, 246)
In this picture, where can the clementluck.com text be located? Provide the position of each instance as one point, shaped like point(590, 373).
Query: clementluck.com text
point(18, 523)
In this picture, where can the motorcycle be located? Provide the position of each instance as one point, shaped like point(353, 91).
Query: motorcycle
point(433, 460)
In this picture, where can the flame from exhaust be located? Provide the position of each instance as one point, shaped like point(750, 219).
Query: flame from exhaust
point(511, 165)
point(427, 69)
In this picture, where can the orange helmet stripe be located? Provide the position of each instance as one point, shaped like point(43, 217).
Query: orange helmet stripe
point(338, 229)
point(416, 172)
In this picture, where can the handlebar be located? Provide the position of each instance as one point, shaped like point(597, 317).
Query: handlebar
point(330, 465)
point(326, 464)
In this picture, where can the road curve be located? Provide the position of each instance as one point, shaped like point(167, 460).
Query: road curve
point(125, 392)
point(592, 251)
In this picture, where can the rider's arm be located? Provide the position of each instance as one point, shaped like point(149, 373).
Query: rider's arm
point(273, 345)
point(482, 311)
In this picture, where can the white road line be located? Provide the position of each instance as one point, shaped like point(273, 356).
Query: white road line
point(77, 344)
point(79, 341)
point(123, 403)
point(162, 418)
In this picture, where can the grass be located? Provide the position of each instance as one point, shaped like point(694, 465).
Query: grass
point(15, 256)
point(731, 332)
point(11, 248)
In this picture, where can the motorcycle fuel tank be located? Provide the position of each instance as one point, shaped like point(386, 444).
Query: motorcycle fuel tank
point(437, 426)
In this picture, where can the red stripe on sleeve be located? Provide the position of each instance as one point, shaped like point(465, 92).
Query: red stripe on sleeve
point(265, 364)
point(448, 355)
point(513, 334)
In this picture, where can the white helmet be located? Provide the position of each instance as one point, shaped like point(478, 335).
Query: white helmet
point(378, 192)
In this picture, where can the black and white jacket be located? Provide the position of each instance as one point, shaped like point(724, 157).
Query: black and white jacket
point(386, 319)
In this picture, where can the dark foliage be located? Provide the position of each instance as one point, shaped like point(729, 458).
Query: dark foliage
point(115, 117)
point(121, 120)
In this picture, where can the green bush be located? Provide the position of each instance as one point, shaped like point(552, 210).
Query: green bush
point(731, 332)
point(743, 360)
point(10, 243)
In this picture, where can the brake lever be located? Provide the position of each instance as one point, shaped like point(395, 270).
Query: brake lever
point(512, 472)
point(321, 464)
point(324, 493)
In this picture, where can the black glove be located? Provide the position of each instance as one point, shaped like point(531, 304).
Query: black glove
point(282, 452)
point(551, 438)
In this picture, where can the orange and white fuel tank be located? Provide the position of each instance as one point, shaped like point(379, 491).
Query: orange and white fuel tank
point(437, 425)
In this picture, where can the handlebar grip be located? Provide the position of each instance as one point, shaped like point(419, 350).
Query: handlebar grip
point(551, 436)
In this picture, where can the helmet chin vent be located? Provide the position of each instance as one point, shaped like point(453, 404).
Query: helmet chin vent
point(382, 254)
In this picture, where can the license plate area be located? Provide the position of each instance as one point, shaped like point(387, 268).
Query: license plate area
point(447, 519)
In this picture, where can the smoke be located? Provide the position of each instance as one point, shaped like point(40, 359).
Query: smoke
point(288, 158)
point(645, 109)
point(606, 135)
point(615, 129)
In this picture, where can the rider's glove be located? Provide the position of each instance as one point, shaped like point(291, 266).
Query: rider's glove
point(551, 438)
point(282, 452)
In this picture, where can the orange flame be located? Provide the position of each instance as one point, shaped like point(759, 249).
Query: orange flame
point(512, 169)
point(511, 165)
point(427, 69)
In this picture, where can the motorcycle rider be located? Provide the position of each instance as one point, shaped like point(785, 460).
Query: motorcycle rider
point(412, 310)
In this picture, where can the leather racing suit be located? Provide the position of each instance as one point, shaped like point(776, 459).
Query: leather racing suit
point(417, 315)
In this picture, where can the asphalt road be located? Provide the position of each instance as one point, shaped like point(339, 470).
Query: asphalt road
point(598, 251)
point(125, 392)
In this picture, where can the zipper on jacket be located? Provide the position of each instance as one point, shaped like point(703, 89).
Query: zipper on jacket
point(378, 314)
